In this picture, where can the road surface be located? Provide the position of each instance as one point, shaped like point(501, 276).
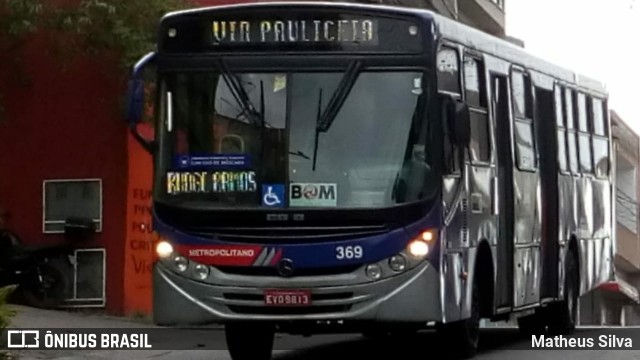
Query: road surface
point(497, 343)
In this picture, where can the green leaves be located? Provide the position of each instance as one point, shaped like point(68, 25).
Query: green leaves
point(126, 28)
point(6, 313)
point(123, 26)
point(111, 29)
point(19, 17)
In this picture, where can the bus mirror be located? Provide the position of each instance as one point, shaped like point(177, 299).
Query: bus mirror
point(135, 100)
point(136, 90)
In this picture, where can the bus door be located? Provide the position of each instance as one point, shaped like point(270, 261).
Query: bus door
point(546, 114)
point(526, 194)
point(503, 192)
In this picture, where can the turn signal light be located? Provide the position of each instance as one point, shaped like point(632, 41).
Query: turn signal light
point(427, 235)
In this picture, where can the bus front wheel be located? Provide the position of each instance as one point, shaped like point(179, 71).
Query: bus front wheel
point(250, 340)
point(563, 315)
point(464, 335)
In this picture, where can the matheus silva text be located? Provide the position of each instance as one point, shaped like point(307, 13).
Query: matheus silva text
point(602, 341)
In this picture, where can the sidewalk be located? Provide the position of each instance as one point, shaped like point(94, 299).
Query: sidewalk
point(28, 317)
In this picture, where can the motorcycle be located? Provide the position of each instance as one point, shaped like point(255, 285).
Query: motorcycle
point(40, 282)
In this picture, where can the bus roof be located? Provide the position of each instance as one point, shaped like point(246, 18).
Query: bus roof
point(308, 4)
point(447, 28)
point(476, 39)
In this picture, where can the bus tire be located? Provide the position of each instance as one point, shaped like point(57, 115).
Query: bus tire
point(402, 333)
point(463, 336)
point(532, 324)
point(249, 340)
point(563, 315)
point(375, 334)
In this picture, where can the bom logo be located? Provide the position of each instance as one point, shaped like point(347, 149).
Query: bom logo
point(305, 194)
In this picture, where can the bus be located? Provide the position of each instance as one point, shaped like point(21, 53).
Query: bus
point(342, 167)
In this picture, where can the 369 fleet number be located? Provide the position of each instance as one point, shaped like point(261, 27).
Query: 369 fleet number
point(349, 252)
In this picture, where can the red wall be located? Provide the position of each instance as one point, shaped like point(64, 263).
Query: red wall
point(61, 125)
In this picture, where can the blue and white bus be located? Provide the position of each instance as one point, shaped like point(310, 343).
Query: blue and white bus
point(372, 169)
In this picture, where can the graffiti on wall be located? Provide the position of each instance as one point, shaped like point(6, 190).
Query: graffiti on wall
point(140, 237)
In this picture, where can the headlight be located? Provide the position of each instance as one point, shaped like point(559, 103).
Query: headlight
point(374, 271)
point(201, 272)
point(181, 263)
point(418, 249)
point(398, 263)
point(164, 249)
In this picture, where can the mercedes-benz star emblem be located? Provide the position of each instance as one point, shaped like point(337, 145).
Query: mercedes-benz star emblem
point(285, 267)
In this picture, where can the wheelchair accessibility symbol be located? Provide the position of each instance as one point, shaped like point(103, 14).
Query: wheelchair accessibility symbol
point(273, 195)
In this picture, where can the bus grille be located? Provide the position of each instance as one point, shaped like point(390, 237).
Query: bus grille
point(288, 235)
point(272, 271)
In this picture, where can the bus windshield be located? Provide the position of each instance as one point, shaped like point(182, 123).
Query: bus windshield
point(261, 140)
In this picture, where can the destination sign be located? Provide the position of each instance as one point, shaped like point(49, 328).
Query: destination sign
point(190, 182)
point(290, 30)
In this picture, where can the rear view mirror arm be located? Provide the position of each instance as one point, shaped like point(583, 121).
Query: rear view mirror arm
point(138, 68)
point(148, 145)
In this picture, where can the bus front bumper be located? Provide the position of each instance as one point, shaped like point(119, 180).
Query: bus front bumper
point(411, 297)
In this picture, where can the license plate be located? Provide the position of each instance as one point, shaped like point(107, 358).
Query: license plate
point(287, 297)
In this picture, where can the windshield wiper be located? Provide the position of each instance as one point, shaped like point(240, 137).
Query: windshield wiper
point(317, 133)
point(261, 115)
point(339, 96)
point(325, 119)
point(299, 153)
point(239, 93)
point(262, 127)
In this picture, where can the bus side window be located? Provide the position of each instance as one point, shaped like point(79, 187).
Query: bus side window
point(522, 95)
point(476, 99)
point(599, 139)
point(561, 131)
point(448, 65)
point(584, 136)
point(448, 77)
point(571, 132)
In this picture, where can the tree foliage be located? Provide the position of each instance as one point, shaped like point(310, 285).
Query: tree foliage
point(113, 29)
point(6, 312)
point(126, 27)
point(18, 17)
